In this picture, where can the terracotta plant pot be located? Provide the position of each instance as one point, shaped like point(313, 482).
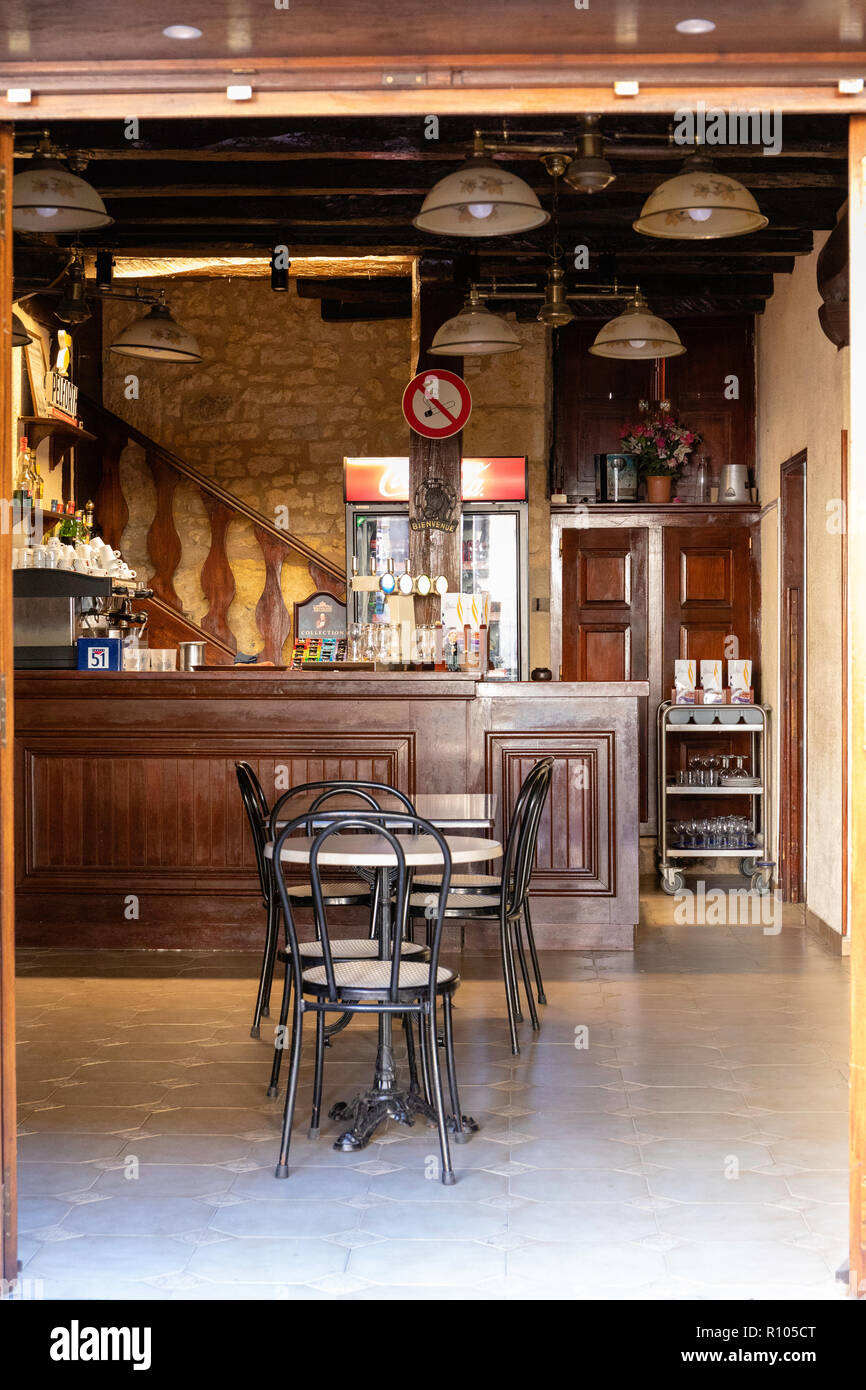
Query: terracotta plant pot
point(658, 488)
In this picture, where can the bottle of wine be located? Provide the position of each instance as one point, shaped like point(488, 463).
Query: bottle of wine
point(22, 490)
point(37, 479)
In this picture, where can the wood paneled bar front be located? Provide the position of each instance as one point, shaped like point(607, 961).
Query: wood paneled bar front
point(130, 831)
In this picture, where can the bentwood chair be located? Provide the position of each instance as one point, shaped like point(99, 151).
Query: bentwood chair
point(395, 985)
point(351, 893)
point(505, 901)
point(344, 949)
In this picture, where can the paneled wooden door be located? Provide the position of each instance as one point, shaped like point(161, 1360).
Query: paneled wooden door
point(8, 1229)
point(711, 605)
point(604, 615)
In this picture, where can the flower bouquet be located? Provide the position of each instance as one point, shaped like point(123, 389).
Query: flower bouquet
point(662, 446)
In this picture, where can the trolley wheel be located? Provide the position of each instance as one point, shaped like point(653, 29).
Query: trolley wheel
point(672, 882)
point(760, 884)
point(747, 867)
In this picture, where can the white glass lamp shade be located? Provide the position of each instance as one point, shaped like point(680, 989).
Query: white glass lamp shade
point(157, 338)
point(474, 332)
point(48, 198)
point(699, 204)
point(20, 336)
point(481, 198)
point(637, 334)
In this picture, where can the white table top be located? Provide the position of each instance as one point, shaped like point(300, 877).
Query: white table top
point(373, 851)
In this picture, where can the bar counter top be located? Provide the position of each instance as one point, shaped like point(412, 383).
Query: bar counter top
point(129, 822)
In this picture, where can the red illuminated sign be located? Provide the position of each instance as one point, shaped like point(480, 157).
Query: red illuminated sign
point(387, 479)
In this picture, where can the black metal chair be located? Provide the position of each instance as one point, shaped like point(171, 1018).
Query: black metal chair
point(389, 985)
point(507, 902)
point(343, 949)
point(351, 893)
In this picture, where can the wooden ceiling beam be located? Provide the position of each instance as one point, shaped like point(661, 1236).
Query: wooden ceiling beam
point(625, 183)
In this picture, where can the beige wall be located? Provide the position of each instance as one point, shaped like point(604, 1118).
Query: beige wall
point(280, 398)
point(802, 403)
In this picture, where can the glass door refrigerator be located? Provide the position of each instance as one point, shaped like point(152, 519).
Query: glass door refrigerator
point(494, 543)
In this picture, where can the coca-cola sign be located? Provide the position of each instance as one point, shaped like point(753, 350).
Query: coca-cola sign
point(387, 479)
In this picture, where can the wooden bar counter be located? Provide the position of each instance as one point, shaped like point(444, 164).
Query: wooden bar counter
point(130, 831)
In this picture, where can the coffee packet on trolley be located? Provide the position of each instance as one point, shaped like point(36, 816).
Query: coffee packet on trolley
point(684, 682)
point(711, 683)
point(740, 682)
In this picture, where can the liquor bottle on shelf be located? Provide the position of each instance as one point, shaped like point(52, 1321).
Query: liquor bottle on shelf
point(68, 529)
point(23, 492)
point(89, 519)
point(37, 479)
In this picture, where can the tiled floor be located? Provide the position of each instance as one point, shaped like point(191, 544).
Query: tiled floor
point(696, 1147)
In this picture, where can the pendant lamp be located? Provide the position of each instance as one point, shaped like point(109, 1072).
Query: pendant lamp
point(637, 334)
point(157, 338)
point(480, 198)
point(699, 204)
point(47, 197)
point(474, 332)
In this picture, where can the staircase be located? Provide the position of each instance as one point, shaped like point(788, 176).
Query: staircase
point(168, 623)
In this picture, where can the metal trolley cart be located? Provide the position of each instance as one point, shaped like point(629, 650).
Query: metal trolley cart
point(699, 722)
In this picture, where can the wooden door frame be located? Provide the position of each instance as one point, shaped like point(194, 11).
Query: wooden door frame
point(8, 1123)
point(792, 690)
point(857, 702)
point(156, 89)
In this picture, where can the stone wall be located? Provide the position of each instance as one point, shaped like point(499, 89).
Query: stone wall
point(279, 400)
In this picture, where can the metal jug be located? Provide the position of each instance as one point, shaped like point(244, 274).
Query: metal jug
point(734, 483)
point(191, 654)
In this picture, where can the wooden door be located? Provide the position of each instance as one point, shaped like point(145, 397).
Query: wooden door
point(8, 1229)
point(711, 608)
point(604, 615)
point(792, 653)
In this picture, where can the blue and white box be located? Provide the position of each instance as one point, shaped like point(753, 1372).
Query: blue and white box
point(99, 655)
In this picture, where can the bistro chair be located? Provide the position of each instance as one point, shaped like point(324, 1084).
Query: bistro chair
point(353, 948)
point(348, 893)
point(506, 902)
point(391, 985)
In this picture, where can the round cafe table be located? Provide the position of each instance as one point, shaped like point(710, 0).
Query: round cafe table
point(383, 1100)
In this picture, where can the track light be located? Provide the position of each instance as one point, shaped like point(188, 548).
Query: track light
point(280, 265)
point(104, 270)
point(73, 307)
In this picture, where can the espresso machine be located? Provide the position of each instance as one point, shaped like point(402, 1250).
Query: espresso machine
point(52, 609)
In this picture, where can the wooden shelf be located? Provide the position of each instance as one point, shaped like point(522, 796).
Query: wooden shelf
point(41, 427)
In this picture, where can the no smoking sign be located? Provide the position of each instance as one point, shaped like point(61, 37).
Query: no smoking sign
point(437, 404)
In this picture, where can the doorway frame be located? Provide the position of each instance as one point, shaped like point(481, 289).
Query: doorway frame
point(793, 676)
point(156, 89)
point(8, 1097)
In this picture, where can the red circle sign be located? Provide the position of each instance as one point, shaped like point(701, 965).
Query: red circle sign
point(437, 403)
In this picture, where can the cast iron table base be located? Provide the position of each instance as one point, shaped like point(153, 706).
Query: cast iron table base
point(383, 1101)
